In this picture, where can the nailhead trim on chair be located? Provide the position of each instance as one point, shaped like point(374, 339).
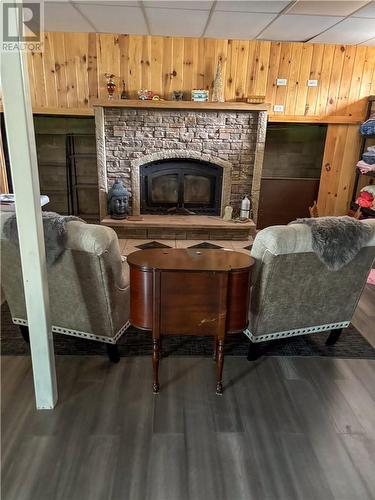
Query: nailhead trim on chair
point(83, 335)
point(294, 333)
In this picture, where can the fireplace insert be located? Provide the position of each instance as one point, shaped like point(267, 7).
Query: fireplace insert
point(181, 186)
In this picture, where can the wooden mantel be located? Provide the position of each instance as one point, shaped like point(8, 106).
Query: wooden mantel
point(218, 106)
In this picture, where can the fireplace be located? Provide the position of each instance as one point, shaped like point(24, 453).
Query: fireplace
point(181, 186)
point(184, 155)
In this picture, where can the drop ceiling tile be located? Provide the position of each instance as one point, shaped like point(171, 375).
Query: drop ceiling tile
point(351, 31)
point(116, 3)
point(177, 22)
point(326, 8)
point(370, 42)
point(368, 11)
point(183, 4)
point(296, 28)
point(251, 6)
point(61, 16)
point(115, 19)
point(237, 25)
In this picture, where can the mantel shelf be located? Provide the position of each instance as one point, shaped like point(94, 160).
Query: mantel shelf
point(215, 106)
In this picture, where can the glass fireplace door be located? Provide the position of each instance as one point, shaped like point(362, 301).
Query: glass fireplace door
point(170, 185)
point(163, 189)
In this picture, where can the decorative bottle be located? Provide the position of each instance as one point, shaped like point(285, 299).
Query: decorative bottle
point(124, 95)
point(111, 86)
point(245, 208)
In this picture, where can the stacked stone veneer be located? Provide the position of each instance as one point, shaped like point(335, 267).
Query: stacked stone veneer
point(128, 138)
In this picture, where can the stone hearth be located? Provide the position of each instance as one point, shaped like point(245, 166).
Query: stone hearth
point(131, 134)
point(182, 227)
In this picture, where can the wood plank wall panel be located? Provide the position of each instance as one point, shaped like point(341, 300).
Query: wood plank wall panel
point(337, 177)
point(70, 71)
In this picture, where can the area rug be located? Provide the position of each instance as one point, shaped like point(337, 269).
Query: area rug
point(138, 343)
point(152, 244)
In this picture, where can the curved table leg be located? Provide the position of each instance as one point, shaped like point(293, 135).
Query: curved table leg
point(219, 367)
point(216, 340)
point(155, 364)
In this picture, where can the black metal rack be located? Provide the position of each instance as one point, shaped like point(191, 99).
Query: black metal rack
point(73, 184)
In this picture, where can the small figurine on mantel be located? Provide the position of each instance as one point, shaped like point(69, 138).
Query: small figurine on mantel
point(178, 95)
point(148, 95)
point(218, 86)
point(118, 200)
point(228, 212)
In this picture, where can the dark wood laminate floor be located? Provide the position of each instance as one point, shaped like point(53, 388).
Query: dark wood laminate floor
point(285, 429)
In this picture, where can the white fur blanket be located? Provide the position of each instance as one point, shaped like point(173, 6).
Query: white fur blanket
point(337, 240)
point(54, 226)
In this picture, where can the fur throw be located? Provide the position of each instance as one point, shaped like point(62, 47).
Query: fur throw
point(54, 233)
point(337, 240)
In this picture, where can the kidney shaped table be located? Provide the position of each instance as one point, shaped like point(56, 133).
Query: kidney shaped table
point(189, 292)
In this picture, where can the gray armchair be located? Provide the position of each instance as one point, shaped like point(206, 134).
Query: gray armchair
point(293, 292)
point(88, 285)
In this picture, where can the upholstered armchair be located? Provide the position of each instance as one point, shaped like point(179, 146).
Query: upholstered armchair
point(293, 292)
point(88, 285)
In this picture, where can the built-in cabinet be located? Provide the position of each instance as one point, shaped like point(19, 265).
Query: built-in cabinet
point(291, 171)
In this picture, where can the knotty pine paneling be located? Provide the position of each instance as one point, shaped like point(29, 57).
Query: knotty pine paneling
point(69, 74)
point(337, 178)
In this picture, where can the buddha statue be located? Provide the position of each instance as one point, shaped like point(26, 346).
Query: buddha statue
point(118, 200)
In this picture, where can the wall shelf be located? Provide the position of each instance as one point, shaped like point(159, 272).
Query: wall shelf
point(214, 106)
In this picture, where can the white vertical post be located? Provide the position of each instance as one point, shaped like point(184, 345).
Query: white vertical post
point(24, 168)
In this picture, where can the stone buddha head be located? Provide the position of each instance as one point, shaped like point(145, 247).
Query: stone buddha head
point(118, 200)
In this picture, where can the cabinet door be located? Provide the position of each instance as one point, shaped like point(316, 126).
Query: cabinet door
point(284, 200)
point(193, 303)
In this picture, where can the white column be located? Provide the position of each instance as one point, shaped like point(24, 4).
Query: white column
point(24, 168)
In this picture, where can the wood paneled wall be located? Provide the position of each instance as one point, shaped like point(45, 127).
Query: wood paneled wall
point(338, 169)
point(69, 74)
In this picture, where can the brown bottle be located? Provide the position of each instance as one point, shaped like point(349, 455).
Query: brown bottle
point(124, 95)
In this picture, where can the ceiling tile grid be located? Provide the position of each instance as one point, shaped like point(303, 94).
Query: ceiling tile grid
point(112, 18)
point(352, 30)
point(63, 16)
point(368, 11)
point(176, 22)
point(179, 4)
point(273, 7)
point(316, 21)
point(237, 25)
point(298, 28)
point(327, 8)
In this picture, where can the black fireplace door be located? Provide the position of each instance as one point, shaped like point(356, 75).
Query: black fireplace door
point(173, 185)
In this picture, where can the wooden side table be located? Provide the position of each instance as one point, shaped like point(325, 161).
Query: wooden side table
point(189, 292)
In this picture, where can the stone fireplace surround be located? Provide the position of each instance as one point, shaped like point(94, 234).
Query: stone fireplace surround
point(132, 134)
